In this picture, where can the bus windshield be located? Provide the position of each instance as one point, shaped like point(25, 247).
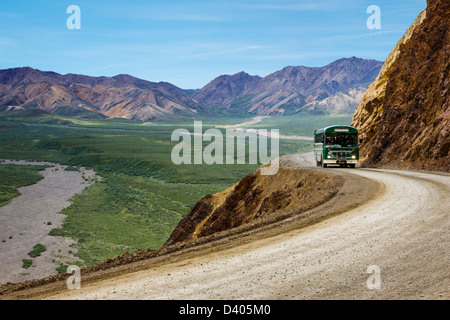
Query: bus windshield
point(342, 139)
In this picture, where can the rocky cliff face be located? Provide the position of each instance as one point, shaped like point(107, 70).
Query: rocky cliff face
point(404, 116)
point(256, 199)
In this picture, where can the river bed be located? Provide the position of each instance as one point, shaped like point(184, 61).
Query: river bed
point(29, 217)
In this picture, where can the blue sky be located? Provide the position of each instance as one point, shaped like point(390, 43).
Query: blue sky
point(189, 43)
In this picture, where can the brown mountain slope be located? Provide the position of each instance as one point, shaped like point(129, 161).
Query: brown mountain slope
point(255, 199)
point(289, 90)
point(225, 88)
point(293, 89)
point(404, 116)
point(122, 96)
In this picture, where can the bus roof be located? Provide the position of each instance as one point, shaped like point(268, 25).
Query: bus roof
point(336, 128)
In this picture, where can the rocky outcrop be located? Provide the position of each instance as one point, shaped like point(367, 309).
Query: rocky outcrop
point(404, 116)
point(255, 199)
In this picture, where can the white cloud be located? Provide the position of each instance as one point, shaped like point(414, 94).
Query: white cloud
point(231, 50)
point(296, 5)
point(188, 17)
point(8, 41)
point(359, 35)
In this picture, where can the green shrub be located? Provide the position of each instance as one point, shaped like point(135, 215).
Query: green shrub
point(71, 168)
point(37, 250)
point(26, 263)
point(62, 268)
point(48, 144)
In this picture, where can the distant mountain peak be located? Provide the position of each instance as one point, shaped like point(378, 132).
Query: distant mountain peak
point(290, 89)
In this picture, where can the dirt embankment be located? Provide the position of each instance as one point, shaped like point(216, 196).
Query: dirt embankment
point(257, 198)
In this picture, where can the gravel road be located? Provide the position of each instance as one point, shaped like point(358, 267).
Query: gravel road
point(386, 236)
point(392, 245)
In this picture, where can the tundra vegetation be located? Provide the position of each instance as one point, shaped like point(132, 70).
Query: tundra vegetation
point(14, 177)
point(142, 194)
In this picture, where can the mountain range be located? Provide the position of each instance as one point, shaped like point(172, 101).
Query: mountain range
point(121, 96)
point(334, 88)
point(294, 89)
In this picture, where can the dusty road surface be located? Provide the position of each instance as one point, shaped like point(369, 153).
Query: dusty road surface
point(29, 217)
point(388, 239)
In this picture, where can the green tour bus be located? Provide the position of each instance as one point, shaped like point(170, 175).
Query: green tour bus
point(336, 145)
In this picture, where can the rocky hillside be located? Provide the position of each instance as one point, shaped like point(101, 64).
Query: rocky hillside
point(404, 116)
point(333, 88)
point(122, 96)
point(225, 88)
point(256, 199)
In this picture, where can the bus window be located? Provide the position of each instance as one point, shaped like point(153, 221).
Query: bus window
point(329, 140)
point(342, 139)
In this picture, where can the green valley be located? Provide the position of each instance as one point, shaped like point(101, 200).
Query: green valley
point(141, 195)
